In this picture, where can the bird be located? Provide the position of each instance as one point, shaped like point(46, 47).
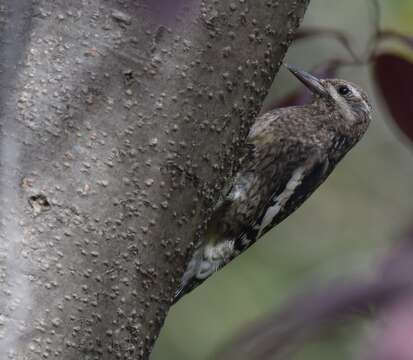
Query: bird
point(288, 153)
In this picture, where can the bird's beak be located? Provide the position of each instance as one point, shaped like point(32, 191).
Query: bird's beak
point(310, 81)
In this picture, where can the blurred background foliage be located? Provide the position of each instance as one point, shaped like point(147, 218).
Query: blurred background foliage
point(342, 229)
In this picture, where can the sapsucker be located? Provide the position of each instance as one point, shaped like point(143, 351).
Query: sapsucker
point(289, 152)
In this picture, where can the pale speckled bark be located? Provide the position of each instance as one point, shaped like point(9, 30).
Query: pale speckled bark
point(115, 134)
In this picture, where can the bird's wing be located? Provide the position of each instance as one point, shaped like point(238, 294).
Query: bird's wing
point(235, 209)
point(252, 185)
point(286, 197)
point(272, 181)
point(277, 173)
point(285, 176)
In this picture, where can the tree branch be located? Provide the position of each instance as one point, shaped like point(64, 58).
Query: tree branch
point(119, 125)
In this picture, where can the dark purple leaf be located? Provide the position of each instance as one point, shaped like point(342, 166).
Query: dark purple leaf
point(307, 315)
point(388, 291)
point(395, 325)
point(394, 78)
point(394, 333)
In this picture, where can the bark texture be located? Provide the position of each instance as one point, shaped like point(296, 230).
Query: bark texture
point(120, 120)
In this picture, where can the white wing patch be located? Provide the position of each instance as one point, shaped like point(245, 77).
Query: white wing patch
point(282, 199)
point(214, 256)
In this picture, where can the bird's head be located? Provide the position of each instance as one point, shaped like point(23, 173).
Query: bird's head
point(341, 96)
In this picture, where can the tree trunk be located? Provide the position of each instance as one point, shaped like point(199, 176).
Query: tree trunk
point(116, 135)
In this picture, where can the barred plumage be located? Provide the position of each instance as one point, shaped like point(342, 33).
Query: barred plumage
point(289, 153)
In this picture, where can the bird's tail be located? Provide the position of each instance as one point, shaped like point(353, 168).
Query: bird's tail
point(186, 288)
point(205, 261)
point(190, 279)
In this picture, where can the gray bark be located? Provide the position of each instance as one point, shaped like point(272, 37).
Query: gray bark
point(116, 134)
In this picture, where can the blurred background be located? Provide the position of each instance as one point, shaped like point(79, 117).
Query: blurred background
point(342, 229)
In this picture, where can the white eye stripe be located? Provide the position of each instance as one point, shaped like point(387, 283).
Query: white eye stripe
point(357, 94)
point(354, 91)
point(341, 102)
point(344, 106)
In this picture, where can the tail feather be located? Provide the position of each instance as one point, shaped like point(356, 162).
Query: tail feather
point(205, 261)
point(186, 288)
point(189, 279)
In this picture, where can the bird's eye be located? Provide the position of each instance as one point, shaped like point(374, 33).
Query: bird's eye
point(343, 90)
